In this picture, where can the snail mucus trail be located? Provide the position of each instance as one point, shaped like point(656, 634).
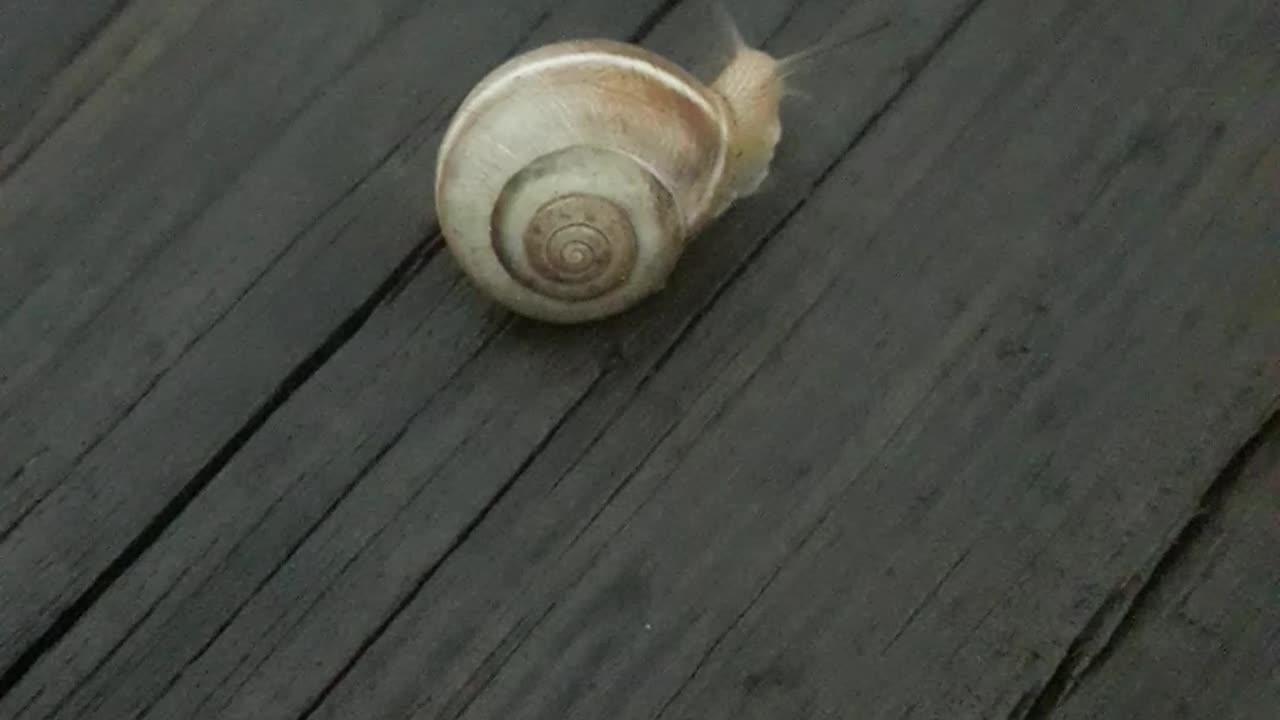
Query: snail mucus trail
point(572, 176)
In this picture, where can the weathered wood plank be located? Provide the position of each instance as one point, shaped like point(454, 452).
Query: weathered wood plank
point(180, 247)
point(914, 400)
point(231, 555)
point(908, 487)
point(1202, 640)
point(39, 40)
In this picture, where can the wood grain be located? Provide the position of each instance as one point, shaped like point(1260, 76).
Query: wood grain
point(192, 242)
point(40, 41)
point(918, 432)
point(907, 489)
point(1202, 639)
point(881, 77)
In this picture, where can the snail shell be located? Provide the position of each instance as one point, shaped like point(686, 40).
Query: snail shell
point(572, 176)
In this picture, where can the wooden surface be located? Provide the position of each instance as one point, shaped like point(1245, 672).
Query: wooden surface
point(971, 413)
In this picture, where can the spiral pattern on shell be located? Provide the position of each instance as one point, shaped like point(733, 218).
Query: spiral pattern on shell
point(569, 225)
point(579, 247)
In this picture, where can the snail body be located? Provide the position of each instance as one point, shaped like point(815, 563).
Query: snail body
point(571, 178)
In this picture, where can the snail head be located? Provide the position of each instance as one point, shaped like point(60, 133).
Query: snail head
point(753, 85)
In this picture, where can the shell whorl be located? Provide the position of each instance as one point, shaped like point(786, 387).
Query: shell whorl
point(578, 247)
point(574, 224)
point(571, 176)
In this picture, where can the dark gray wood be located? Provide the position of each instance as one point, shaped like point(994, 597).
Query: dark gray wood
point(924, 469)
point(1203, 641)
point(412, 387)
point(179, 249)
point(922, 452)
point(42, 40)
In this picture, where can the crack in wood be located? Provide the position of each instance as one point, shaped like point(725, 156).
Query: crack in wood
point(158, 524)
point(870, 125)
point(926, 600)
point(490, 667)
point(297, 545)
point(720, 638)
point(1083, 648)
point(391, 286)
point(652, 19)
point(872, 122)
point(459, 540)
point(1192, 532)
point(1127, 607)
point(82, 43)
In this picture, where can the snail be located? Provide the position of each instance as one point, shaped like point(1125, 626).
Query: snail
point(572, 176)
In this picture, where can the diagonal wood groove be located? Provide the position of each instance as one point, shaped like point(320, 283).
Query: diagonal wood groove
point(82, 43)
point(156, 527)
point(872, 123)
point(1192, 532)
point(685, 330)
point(495, 660)
point(738, 272)
point(328, 511)
point(1127, 607)
point(394, 283)
point(459, 540)
point(393, 286)
point(93, 32)
point(629, 403)
point(415, 261)
point(195, 340)
point(294, 547)
point(720, 638)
